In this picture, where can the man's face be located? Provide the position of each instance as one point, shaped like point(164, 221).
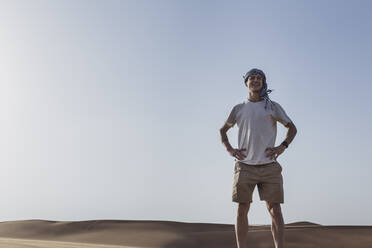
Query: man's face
point(255, 82)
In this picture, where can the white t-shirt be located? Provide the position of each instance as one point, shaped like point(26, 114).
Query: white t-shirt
point(257, 128)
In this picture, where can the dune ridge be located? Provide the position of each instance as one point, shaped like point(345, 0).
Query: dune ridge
point(172, 234)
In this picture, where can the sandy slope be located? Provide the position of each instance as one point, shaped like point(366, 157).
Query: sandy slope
point(31, 243)
point(168, 234)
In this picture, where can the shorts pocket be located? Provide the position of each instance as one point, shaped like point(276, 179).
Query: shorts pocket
point(240, 167)
point(277, 164)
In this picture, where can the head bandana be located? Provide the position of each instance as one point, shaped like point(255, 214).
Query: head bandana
point(264, 93)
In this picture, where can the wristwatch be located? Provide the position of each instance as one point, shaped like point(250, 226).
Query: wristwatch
point(284, 143)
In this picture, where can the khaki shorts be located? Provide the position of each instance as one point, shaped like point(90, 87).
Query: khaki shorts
point(268, 178)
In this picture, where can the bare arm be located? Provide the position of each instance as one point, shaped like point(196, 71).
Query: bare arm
point(274, 152)
point(223, 133)
point(233, 152)
point(291, 133)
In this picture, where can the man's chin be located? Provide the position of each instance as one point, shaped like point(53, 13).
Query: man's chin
point(256, 90)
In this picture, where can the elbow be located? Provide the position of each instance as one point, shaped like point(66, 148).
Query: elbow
point(221, 131)
point(294, 130)
point(292, 127)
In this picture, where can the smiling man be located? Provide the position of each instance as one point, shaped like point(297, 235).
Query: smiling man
point(256, 156)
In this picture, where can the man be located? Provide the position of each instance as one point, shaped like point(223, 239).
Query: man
point(255, 157)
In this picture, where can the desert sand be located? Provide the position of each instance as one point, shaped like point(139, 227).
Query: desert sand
point(169, 234)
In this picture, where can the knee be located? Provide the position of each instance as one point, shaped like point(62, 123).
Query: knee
point(274, 209)
point(243, 208)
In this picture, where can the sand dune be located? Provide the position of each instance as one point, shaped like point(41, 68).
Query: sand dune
point(168, 234)
point(30, 243)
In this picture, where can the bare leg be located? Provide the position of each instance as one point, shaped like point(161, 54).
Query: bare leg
point(241, 227)
point(277, 225)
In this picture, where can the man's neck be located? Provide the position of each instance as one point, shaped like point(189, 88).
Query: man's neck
point(254, 97)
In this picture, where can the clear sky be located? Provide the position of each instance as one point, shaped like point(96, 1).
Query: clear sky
point(112, 109)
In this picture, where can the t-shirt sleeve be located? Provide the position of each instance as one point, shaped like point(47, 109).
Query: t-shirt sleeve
point(280, 115)
point(231, 119)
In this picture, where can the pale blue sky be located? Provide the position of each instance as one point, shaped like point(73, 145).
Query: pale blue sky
point(111, 109)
